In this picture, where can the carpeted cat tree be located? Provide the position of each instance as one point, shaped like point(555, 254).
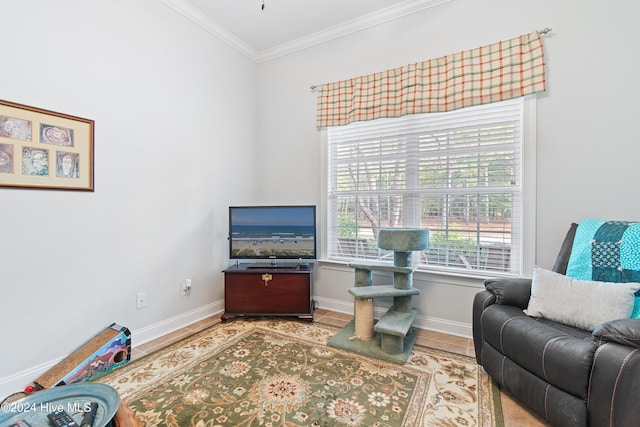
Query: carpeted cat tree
point(392, 337)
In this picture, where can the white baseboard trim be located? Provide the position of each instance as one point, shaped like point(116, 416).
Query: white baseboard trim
point(335, 305)
point(156, 330)
point(458, 329)
point(423, 322)
point(17, 382)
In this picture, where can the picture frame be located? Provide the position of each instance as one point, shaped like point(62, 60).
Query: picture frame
point(45, 149)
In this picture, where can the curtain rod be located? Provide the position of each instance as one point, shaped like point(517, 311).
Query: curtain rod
point(545, 30)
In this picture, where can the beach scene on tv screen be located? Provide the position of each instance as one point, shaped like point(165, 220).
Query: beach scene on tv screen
point(273, 232)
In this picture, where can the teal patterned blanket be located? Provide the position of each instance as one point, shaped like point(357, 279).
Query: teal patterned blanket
point(607, 251)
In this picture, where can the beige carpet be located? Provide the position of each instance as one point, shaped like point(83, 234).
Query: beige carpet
point(252, 372)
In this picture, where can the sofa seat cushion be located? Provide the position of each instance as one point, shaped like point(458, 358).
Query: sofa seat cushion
point(558, 354)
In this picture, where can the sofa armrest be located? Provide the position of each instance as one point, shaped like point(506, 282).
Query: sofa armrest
point(510, 291)
point(506, 291)
point(622, 331)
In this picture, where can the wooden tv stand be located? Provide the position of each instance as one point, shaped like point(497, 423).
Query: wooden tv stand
point(251, 290)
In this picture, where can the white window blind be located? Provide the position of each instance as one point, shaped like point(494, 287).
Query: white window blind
point(457, 173)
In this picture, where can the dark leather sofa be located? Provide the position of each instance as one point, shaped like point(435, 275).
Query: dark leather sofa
point(568, 376)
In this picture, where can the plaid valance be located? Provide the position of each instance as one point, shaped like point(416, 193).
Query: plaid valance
point(498, 72)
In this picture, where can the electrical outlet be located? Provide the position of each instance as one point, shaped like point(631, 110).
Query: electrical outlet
point(141, 300)
point(185, 287)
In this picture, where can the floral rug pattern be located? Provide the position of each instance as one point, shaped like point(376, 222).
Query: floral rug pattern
point(252, 372)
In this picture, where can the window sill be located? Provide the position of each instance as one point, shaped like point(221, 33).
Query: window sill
point(454, 276)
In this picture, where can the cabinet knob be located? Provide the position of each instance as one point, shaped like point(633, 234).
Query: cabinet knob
point(266, 278)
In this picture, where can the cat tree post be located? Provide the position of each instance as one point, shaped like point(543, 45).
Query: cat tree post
point(363, 308)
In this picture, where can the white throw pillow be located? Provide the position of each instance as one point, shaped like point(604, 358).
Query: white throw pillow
point(583, 304)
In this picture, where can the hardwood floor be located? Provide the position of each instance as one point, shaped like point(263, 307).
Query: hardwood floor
point(515, 415)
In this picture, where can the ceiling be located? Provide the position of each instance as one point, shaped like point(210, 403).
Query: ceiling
point(284, 26)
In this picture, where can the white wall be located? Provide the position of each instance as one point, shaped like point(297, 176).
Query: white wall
point(587, 137)
point(176, 145)
point(174, 109)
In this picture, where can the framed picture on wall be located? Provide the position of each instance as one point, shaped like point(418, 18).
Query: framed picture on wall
point(44, 149)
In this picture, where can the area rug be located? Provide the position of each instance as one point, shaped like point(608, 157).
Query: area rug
point(272, 372)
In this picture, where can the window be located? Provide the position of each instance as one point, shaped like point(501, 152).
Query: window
point(459, 173)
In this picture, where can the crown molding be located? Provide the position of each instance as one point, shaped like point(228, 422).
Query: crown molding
point(200, 19)
point(349, 27)
point(366, 21)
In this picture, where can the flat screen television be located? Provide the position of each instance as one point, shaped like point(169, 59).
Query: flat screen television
point(272, 233)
